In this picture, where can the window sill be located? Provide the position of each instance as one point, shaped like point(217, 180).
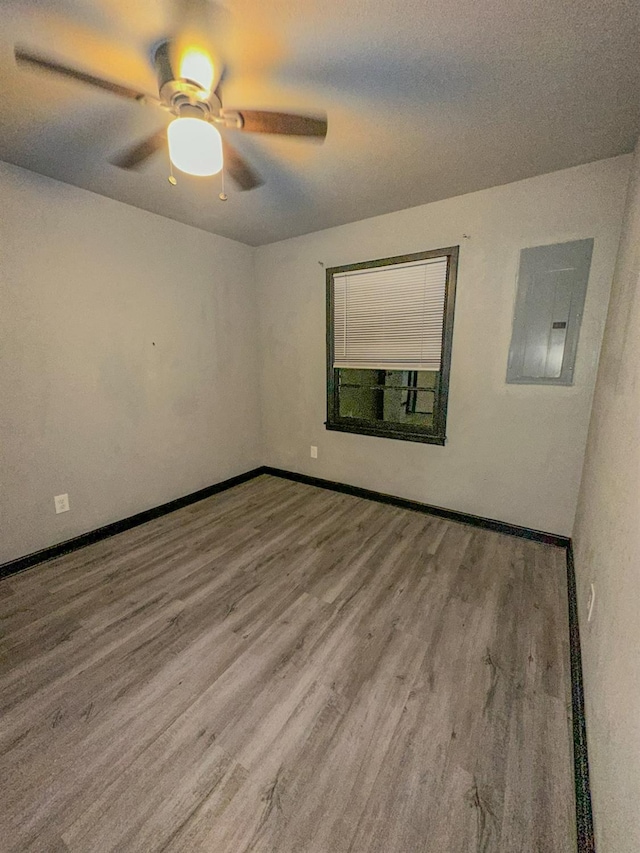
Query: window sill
point(399, 435)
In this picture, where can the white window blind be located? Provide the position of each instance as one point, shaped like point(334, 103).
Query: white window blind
point(390, 318)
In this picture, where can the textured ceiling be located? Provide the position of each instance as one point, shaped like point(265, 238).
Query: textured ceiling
point(426, 99)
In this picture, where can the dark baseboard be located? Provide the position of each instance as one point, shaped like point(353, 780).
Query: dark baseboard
point(115, 527)
point(584, 813)
point(441, 512)
point(21, 563)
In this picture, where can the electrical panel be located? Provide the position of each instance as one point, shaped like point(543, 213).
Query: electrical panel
point(552, 285)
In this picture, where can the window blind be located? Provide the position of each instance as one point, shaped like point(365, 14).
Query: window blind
point(390, 318)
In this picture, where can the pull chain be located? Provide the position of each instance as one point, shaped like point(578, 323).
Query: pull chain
point(171, 177)
point(223, 196)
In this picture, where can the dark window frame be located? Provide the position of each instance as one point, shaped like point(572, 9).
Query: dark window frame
point(404, 432)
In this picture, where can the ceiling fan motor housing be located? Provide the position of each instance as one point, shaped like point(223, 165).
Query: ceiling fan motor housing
point(179, 93)
point(162, 63)
point(185, 109)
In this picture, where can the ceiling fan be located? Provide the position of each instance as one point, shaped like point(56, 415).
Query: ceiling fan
point(191, 94)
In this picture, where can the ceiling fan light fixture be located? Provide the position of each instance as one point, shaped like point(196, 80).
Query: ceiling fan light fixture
point(195, 146)
point(195, 65)
point(188, 78)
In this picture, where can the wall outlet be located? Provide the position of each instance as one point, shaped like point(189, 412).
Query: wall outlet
point(61, 503)
point(314, 452)
point(591, 602)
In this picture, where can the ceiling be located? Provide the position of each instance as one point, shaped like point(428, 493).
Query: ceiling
point(426, 99)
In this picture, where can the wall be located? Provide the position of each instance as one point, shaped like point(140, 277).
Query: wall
point(514, 452)
point(128, 348)
point(607, 550)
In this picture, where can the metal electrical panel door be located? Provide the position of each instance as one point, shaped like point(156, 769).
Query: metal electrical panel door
point(552, 285)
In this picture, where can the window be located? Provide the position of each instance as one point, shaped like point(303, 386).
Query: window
point(389, 331)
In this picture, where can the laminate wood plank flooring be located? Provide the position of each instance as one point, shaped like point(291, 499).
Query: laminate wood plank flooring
point(284, 669)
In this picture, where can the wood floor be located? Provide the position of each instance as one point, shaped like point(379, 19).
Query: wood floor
point(283, 669)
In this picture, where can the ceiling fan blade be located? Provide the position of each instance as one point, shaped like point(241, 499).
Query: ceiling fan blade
point(241, 172)
point(138, 154)
point(264, 121)
point(195, 13)
point(26, 57)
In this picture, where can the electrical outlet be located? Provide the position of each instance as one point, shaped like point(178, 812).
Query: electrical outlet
point(592, 601)
point(61, 503)
point(314, 452)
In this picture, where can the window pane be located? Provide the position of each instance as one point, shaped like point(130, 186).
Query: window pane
point(359, 401)
point(348, 376)
point(414, 378)
point(395, 396)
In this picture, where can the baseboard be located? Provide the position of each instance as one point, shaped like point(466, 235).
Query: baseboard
point(584, 813)
point(428, 509)
point(21, 563)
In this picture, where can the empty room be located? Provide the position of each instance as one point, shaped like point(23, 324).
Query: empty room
point(319, 426)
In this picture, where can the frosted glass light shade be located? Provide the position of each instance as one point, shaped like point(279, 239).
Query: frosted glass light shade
point(195, 146)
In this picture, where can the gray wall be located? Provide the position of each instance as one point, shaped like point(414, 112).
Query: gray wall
point(607, 549)
point(130, 346)
point(514, 452)
point(129, 354)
